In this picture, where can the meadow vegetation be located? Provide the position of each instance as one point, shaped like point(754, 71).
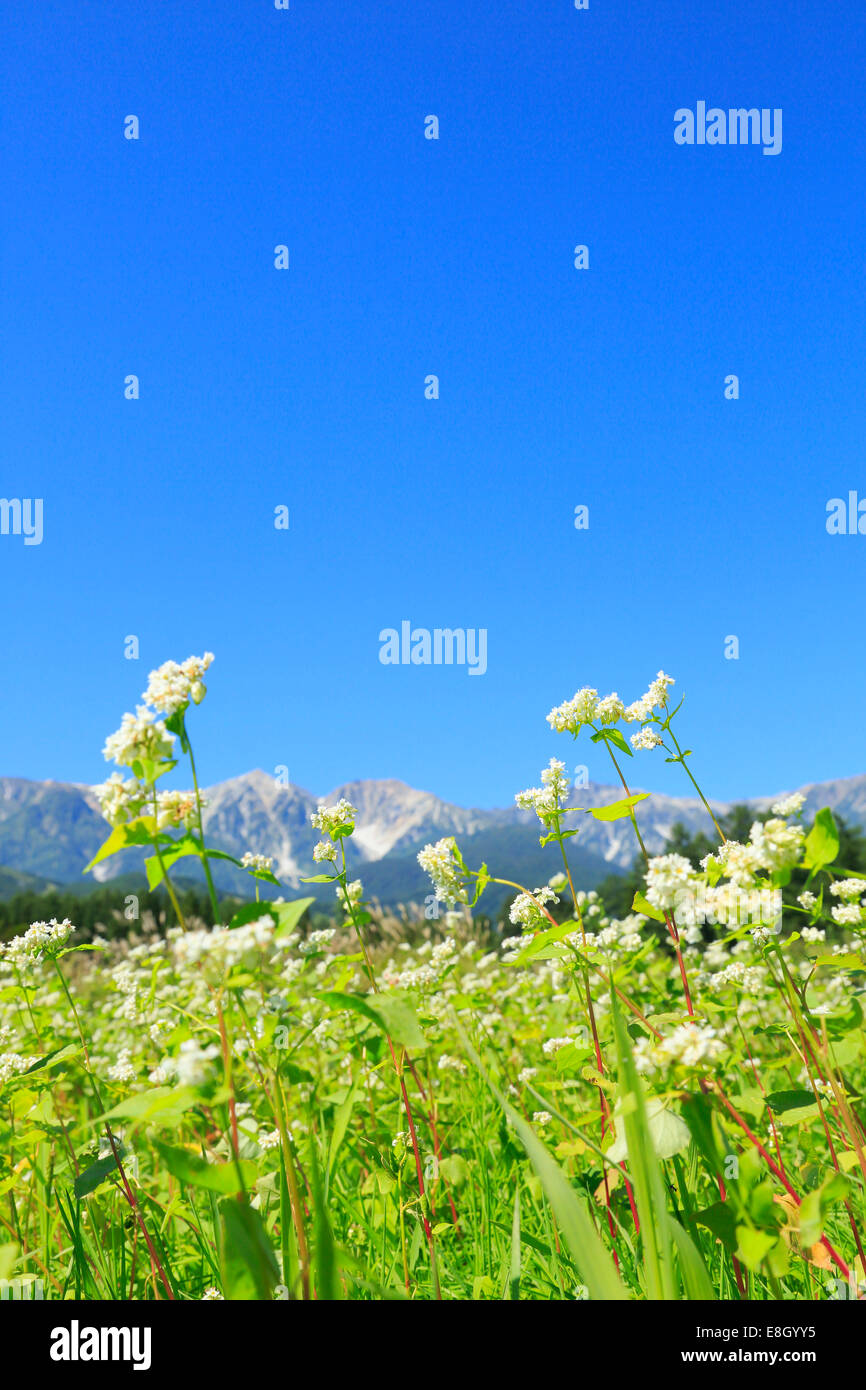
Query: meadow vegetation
point(662, 1102)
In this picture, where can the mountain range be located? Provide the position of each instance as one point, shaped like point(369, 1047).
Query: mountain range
point(50, 830)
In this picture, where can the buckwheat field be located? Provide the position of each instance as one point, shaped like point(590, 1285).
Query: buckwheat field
point(666, 1104)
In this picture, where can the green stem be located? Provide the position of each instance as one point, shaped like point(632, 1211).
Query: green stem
point(214, 902)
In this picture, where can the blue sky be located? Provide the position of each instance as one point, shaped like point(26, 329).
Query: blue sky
point(558, 387)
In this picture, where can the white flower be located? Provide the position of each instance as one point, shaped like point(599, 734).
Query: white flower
point(666, 876)
point(645, 739)
point(609, 709)
point(847, 914)
point(121, 800)
point(324, 851)
point(777, 844)
point(546, 800)
point(526, 911)
point(527, 1075)
point(261, 862)
point(212, 1295)
point(849, 888)
point(123, 1069)
point(331, 819)
point(447, 1063)
point(570, 716)
point(140, 735)
point(691, 1044)
point(41, 941)
point(194, 1063)
point(542, 1117)
point(445, 873)
point(13, 1064)
point(813, 934)
point(656, 696)
point(788, 805)
point(807, 900)
point(171, 687)
point(269, 1140)
point(177, 809)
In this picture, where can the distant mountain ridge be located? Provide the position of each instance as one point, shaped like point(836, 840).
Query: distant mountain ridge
point(52, 829)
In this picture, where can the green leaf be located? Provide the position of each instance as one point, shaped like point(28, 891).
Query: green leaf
point(822, 842)
point(514, 1271)
point(640, 904)
point(617, 809)
point(327, 1276)
point(615, 737)
point(341, 1121)
point(251, 912)
point(248, 1264)
point(753, 1246)
point(721, 1220)
point(454, 1169)
point(696, 1280)
point(816, 1206)
point(538, 943)
point(89, 1180)
point(846, 962)
point(391, 1012)
point(290, 914)
point(60, 1054)
point(575, 1227)
point(645, 1169)
point(192, 1168)
point(164, 1104)
point(140, 831)
point(780, 1101)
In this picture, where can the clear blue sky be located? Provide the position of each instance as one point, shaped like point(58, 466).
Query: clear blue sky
point(558, 387)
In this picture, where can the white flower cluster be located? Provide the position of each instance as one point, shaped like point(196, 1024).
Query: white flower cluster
point(777, 845)
point(195, 1064)
point(587, 707)
point(176, 809)
point(123, 1069)
point(849, 889)
point(666, 876)
point(41, 941)
point(788, 805)
point(171, 687)
point(221, 949)
point(571, 715)
point(526, 911)
point(773, 845)
point(121, 799)
point(141, 735)
point(13, 1064)
point(547, 799)
point(324, 852)
point(655, 697)
point(334, 819)
point(447, 1063)
point(645, 739)
point(261, 862)
point(445, 873)
point(689, 1045)
point(419, 976)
